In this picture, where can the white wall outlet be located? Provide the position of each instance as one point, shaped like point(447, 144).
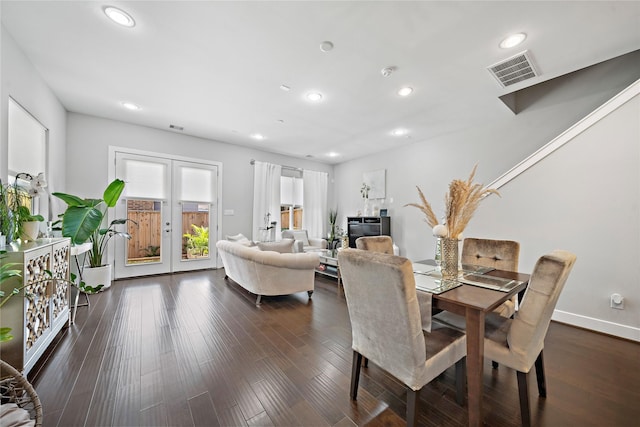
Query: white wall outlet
point(617, 301)
point(228, 212)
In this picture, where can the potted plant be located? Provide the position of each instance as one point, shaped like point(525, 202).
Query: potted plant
point(198, 242)
point(16, 219)
point(82, 222)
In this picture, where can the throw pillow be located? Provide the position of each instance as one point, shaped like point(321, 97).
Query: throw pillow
point(284, 246)
point(237, 237)
point(301, 235)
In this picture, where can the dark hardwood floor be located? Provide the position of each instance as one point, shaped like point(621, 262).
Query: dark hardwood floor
point(192, 349)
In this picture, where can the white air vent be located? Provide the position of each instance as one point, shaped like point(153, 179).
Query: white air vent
point(513, 70)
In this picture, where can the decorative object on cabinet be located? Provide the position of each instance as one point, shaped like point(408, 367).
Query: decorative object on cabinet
point(35, 321)
point(367, 226)
point(22, 223)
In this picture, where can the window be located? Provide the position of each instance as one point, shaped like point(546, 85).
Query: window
point(291, 196)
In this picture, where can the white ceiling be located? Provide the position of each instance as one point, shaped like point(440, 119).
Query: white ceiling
point(216, 67)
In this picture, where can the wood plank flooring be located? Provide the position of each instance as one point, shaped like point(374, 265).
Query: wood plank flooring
point(192, 349)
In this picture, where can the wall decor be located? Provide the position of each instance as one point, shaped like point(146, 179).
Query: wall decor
point(376, 180)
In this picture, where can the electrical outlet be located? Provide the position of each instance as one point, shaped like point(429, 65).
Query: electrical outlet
point(617, 301)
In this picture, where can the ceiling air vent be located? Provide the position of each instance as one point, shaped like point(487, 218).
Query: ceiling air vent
point(513, 70)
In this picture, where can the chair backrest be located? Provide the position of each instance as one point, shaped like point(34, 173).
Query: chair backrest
point(381, 244)
point(500, 254)
point(383, 308)
point(296, 235)
point(530, 324)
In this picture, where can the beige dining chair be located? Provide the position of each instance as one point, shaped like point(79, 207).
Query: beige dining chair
point(498, 254)
point(518, 343)
point(386, 326)
point(382, 244)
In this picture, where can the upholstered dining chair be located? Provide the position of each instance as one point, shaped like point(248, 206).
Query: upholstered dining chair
point(498, 254)
point(518, 343)
point(387, 326)
point(381, 244)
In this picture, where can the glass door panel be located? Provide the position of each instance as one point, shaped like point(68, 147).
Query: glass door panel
point(145, 201)
point(145, 228)
point(194, 197)
point(195, 230)
point(172, 205)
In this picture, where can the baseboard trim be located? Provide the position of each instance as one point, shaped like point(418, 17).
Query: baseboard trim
point(610, 328)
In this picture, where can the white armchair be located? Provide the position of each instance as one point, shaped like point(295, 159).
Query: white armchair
point(303, 242)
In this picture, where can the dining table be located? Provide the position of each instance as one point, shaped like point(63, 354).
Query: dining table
point(474, 302)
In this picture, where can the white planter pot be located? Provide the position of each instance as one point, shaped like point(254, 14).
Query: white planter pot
point(94, 276)
point(30, 230)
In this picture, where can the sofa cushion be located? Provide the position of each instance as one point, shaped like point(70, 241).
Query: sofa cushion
point(301, 235)
point(284, 246)
point(240, 238)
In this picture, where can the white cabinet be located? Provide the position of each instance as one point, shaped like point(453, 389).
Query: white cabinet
point(35, 320)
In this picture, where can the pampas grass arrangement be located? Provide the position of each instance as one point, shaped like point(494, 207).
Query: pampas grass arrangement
point(460, 202)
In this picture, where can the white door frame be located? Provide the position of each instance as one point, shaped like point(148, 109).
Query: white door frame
point(112, 175)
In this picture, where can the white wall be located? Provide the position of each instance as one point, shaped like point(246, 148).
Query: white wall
point(88, 143)
point(567, 218)
point(584, 198)
point(21, 81)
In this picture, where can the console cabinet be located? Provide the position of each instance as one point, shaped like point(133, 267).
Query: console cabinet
point(359, 226)
point(35, 320)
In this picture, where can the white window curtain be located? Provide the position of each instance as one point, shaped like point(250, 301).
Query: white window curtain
point(315, 203)
point(266, 198)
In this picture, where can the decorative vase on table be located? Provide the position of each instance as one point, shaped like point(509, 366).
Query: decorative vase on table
point(449, 262)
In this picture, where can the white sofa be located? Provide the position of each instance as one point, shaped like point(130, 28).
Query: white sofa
point(268, 272)
point(303, 242)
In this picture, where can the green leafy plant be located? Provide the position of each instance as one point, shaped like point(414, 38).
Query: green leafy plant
point(5, 213)
point(82, 220)
point(15, 200)
point(152, 251)
point(198, 242)
point(335, 232)
point(11, 270)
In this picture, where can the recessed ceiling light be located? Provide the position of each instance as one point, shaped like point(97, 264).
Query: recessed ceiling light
point(119, 16)
point(399, 132)
point(513, 40)
point(130, 106)
point(314, 96)
point(285, 88)
point(333, 154)
point(257, 136)
point(405, 91)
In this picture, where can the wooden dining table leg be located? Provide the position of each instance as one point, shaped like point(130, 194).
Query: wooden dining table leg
point(475, 363)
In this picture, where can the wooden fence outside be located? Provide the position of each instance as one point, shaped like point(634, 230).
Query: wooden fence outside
point(146, 237)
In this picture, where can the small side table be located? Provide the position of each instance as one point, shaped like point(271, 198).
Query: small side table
point(75, 252)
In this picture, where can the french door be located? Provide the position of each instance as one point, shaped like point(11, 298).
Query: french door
point(171, 206)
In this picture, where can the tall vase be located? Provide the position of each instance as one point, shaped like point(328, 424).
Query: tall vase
point(449, 258)
point(367, 209)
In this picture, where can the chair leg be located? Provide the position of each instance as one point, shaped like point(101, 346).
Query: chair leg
point(413, 397)
point(258, 300)
point(366, 362)
point(523, 391)
point(355, 374)
point(461, 380)
point(542, 383)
